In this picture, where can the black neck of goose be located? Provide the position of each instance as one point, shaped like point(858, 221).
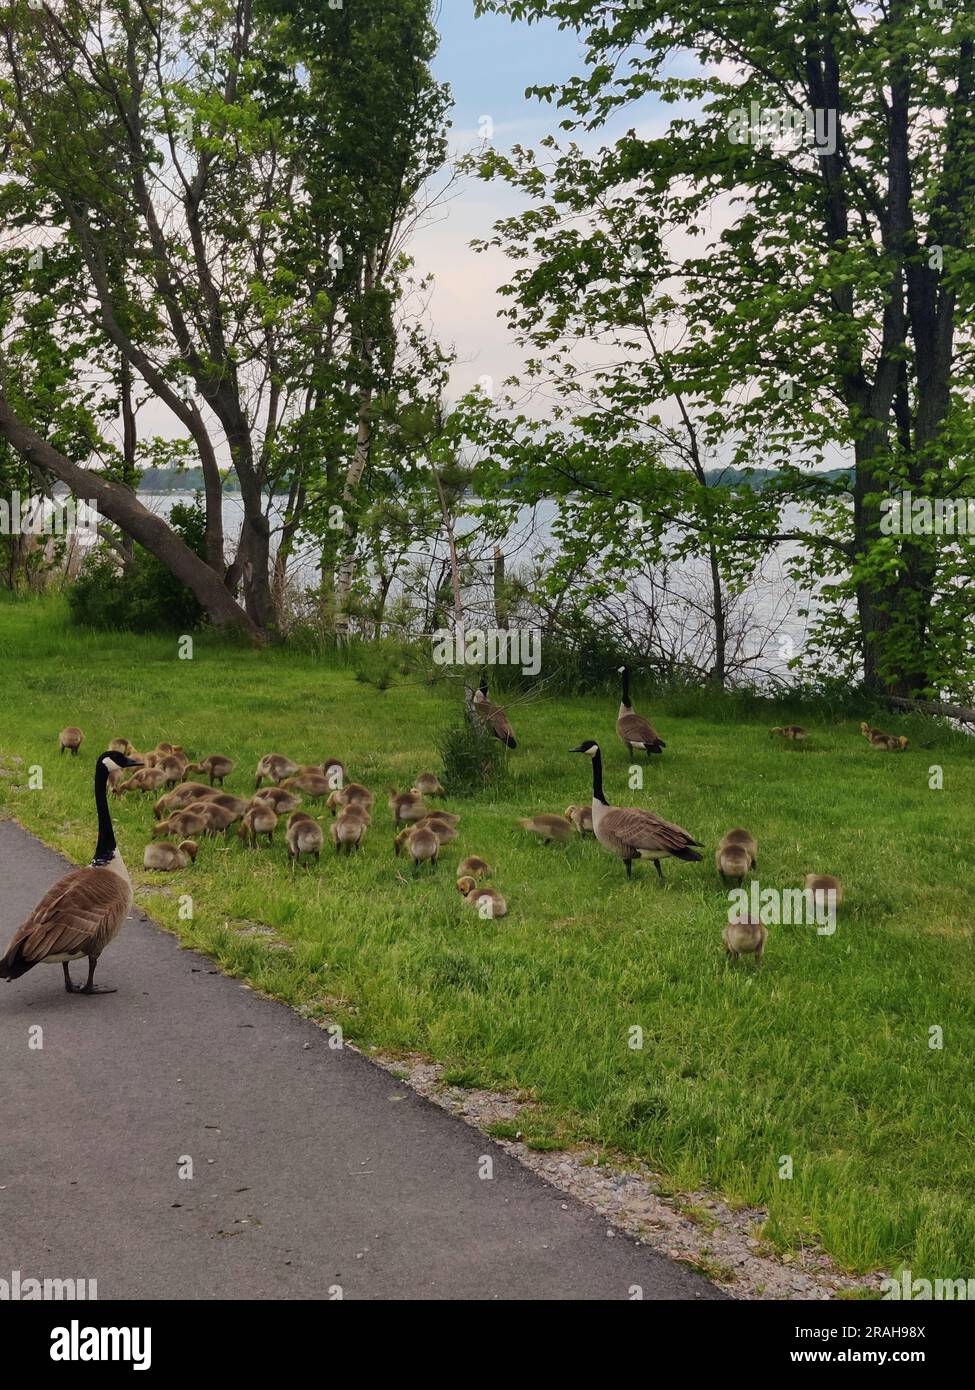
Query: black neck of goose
point(597, 777)
point(483, 687)
point(626, 686)
point(105, 849)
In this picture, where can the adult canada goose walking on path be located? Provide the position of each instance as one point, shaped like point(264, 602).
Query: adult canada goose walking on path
point(629, 832)
point(81, 914)
point(633, 729)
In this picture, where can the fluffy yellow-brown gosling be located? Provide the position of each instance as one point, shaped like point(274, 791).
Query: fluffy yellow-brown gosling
point(745, 938)
point(71, 739)
point(166, 856)
point(548, 828)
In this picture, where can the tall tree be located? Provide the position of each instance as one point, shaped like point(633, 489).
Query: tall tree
point(806, 215)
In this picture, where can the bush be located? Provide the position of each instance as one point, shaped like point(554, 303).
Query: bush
point(472, 757)
point(145, 597)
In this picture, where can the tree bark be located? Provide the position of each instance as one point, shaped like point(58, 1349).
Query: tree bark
point(121, 505)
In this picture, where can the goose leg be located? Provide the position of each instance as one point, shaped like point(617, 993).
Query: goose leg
point(67, 977)
point(660, 871)
point(88, 987)
point(629, 867)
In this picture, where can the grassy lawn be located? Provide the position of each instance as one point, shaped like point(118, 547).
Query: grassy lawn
point(821, 1054)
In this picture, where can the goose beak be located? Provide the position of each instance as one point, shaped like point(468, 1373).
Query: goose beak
point(580, 749)
point(133, 762)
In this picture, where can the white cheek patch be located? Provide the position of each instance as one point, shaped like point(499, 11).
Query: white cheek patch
point(107, 764)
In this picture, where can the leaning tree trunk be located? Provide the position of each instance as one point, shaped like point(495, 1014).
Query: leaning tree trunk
point(121, 505)
point(360, 457)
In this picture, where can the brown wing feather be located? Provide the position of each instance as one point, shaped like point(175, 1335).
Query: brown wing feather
point(633, 728)
point(80, 913)
point(634, 829)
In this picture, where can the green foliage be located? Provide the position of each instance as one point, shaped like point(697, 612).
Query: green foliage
point(473, 759)
point(143, 596)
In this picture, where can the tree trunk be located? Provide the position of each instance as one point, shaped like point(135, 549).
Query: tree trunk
point(121, 505)
point(353, 477)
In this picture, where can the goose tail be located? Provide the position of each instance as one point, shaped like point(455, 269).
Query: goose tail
point(13, 965)
point(688, 854)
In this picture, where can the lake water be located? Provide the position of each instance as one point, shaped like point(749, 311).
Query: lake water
point(768, 630)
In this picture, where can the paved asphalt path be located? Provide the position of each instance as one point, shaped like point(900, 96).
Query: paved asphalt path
point(312, 1167)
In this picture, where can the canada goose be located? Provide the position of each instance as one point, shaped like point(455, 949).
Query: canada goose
point(236, 805)
point(167, 856)
point(827, 885)
point(165, 752)
point(631, 833)
point(493, 715)
point(487, 900)
point(473, 867)
point(548, 827)
point(793, 731)
point(405, 806)
point(421, 844)
point(736, 855)
point(352, 793)
point(304, 836)
point(146, 779)
point(310, 782)
point(581, 818)
point(891, 743)
point(633, 729)
point(280, 799)
point(442, 828)
point(216, 767)
point(448, 817)
point(172, 769)
point(71, 739)
point(84, 910)
point(183, 824)
point(428, 784)
point(334, 770)
point(275, 767)
point(181, 796)
point(217, 819)
point(258, 819)
point(745, 938)
point(348, 830)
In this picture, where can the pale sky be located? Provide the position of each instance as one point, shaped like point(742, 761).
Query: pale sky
point(488, 62)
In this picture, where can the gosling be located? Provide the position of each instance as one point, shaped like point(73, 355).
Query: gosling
point(736, 855)
point(473, 867)
point(70, 740)
point(166, 856)
point(428, 784)
point(304, 836)
point(487, 901)
point(581, 818)
point(348, 831)
point(548, 828)
point(825, 885)
point(745, 938)
point(258, 819)
point(421, 844)
point(793, 731)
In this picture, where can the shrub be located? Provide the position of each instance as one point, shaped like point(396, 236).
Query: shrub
point(144, 597)
point(472, 757)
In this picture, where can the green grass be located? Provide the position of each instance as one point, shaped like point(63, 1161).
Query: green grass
point(821, 1054)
